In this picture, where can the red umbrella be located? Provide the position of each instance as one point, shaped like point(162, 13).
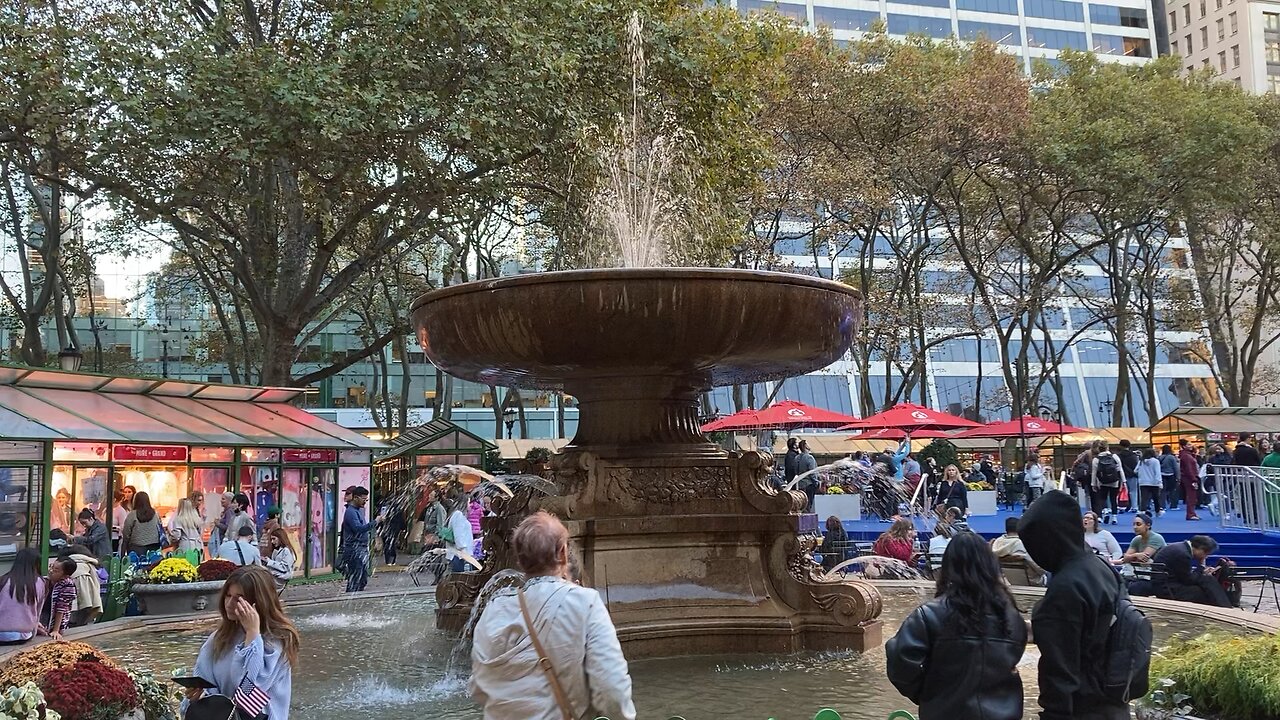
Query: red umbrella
point(741, 420)
point(1020, 427)
point(779, 416)
point(908, 416)
point(898, 434)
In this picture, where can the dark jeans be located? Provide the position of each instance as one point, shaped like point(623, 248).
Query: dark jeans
point(1033, 493)
point(1149, 495)
point(1204, 590)
point(810, 491)
point(389, 551)
point(1170, 491)
point(1106, 497)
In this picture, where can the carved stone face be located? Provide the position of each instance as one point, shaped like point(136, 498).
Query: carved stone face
point(201, 602)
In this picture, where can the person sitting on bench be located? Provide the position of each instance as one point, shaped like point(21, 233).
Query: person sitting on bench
point(1186, 577)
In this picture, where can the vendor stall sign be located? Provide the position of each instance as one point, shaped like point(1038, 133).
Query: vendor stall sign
point(149, 453)
point(293, 455)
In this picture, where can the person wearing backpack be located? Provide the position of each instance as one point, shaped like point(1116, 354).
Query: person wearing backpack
point(1081, 475)
point(1108, 474)
point(1088, 668)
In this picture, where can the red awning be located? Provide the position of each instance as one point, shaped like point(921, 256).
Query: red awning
point(908, 416)
point(1020, 427)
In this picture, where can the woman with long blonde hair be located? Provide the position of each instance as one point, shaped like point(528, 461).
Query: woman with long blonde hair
point(252, 653)
point(952, 493)
point(186, 528)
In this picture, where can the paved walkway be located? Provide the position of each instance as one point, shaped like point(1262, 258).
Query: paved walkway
point(384, 579)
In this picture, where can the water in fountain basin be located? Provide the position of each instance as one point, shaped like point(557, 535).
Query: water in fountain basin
point(390, 662)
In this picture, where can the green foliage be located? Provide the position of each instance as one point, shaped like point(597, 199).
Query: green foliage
point(1228, 676)
point(538, 455)
point(942, 451)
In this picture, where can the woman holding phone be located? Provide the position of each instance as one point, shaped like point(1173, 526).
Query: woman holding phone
point(250, 657)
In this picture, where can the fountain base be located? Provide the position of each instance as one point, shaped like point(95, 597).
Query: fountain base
point(691, 555)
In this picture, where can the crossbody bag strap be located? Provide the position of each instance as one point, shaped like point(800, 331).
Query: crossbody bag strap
point(543, 661)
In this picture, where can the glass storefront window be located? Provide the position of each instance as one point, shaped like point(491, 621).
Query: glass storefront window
point(207, 486)
point(293, 505)
point(89, 452)
point(21, 451)
point(164, 484)
point(20, 492)
point(212, 454)
point(355, 457)
point(260, 455)
point(322, 528)
point(262, 485)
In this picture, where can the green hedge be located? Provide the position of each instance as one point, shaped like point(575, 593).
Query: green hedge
point(1235, 677)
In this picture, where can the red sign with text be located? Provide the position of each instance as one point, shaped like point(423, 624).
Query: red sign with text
point(310, 456)
point(149, 453)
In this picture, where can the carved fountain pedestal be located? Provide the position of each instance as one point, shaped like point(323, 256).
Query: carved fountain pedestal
point(692, 550)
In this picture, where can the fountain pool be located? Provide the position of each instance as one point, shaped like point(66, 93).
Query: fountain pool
point(384, 655)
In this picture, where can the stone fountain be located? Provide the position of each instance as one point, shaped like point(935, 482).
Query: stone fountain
point(691, 548)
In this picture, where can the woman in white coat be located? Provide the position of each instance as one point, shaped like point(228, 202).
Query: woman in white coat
point(571, 625)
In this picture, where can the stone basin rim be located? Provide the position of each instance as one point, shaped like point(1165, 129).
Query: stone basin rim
point(624, 274)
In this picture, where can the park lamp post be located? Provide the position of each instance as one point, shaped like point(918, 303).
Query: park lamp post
point(509, 417)
point(70, 358)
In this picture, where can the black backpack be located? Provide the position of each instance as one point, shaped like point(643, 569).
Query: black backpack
point(1109, 470)
point(1127, 667)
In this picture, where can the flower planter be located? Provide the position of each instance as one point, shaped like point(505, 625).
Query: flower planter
point(178, 598)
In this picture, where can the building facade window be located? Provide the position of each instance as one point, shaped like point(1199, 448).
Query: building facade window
point(1173, 47)
point(1186, 13)
point(1204, 38)
point(1120, 45)
point(913, 25)
point(1190, 47)
point(1219, 4)
point(843, 18)
point(1122, 16)
point(1222, 61)
point(1235, 56)
point(1222, 29)
point(1271, 21)
point(1273, 84)
point(1056, 39)
point(1273, 52)
point(1002, 7)
point(795, 11)
point(1204, 8)
point(1235, 23)
point(995, 32)
point(1055, 9)
point(926, 3)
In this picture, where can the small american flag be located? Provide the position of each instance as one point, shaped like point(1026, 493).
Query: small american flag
point(250, 699)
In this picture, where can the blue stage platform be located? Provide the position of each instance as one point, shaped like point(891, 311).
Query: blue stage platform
point(1247, 548)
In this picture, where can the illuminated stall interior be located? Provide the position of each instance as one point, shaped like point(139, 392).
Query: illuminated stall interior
point(78, 440)
point(1204, 425)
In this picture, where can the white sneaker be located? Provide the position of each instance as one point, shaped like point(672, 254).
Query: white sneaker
point(1160, 513)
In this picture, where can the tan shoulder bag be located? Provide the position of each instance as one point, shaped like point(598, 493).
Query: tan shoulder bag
point(544, 662)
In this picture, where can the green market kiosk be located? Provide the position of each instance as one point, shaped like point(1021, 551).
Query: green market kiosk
point(70, 441)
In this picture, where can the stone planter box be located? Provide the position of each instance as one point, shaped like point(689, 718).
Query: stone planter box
point(178, 598)
point(845, 507)
point(982, 502)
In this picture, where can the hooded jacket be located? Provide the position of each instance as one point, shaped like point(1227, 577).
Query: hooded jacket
point(957, 675)
point(581, 643)
point(1070, 625)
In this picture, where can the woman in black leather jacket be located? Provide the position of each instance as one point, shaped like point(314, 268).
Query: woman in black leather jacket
point(956, 656)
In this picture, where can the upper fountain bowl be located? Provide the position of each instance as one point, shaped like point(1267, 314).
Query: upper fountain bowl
point(707, 327)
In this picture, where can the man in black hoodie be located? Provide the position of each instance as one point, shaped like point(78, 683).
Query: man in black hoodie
point(1071, 623)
